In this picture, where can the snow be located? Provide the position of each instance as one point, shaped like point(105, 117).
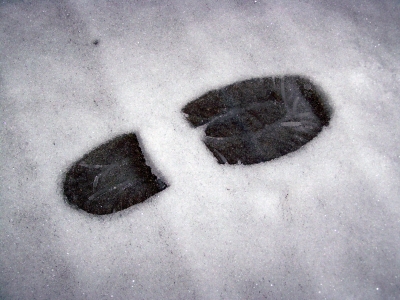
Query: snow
point(319, 223)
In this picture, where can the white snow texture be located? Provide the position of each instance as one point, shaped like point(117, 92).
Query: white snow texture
point(322, 222)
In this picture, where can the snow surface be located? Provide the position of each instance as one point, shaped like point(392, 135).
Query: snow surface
point(320, 223)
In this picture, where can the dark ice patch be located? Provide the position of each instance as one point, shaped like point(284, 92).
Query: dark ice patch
point(261, 119)
point(112, 177)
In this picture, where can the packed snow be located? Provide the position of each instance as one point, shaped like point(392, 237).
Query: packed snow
point(322, 222)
